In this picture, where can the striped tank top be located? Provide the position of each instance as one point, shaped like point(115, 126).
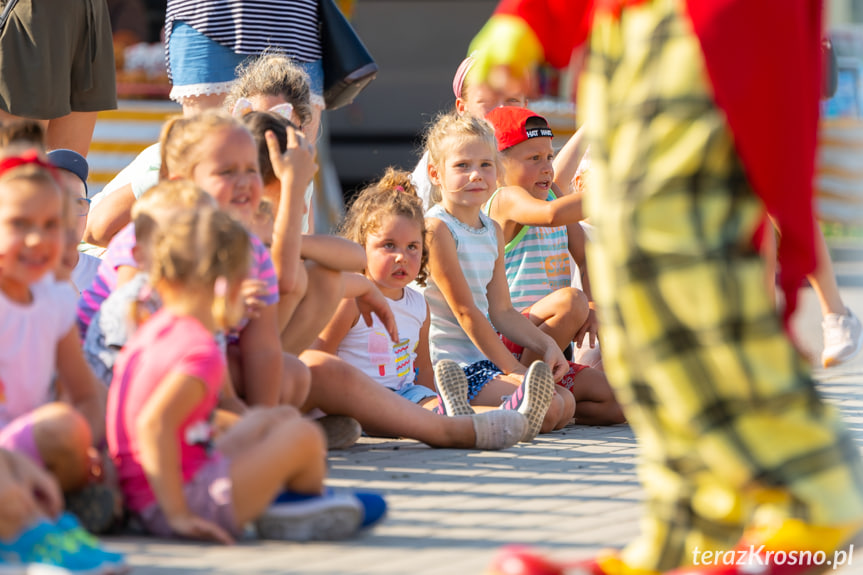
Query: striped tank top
point(537, 262)
point(477, 253)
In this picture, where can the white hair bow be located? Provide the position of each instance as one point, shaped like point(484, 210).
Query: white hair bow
point(243, 106)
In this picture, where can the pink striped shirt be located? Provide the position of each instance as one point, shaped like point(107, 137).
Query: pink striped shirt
point(119, 253)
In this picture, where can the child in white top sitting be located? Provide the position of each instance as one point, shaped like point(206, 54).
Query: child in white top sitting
point(387, 220)
point(37, 331)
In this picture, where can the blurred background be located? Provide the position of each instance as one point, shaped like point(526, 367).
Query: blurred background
point(418, 44)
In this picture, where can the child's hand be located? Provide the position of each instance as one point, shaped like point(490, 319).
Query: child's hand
point(556, 361)
point(195, 527)
point(38, 486)
point(31, 487)
point(253, 293)
point(19, 509)
point(373, 301)
point(590, 328)
point(298, 161)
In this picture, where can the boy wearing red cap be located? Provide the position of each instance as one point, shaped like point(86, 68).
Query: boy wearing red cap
point(536, 253)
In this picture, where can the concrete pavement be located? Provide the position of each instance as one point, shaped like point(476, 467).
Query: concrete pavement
point(569, 493)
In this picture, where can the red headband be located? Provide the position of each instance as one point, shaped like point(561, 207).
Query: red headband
point(26, 158)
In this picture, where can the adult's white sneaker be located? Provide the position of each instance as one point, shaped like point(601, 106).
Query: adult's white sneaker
point(843, 337)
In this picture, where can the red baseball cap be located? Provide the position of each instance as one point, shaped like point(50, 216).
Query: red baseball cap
point(510, 126)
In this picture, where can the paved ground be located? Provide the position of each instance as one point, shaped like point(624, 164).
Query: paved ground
point(570, 493)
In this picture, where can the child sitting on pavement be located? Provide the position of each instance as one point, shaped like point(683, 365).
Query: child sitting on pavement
point(177, 478)
point(534, 224)
point(40, 340)
point(387, 220)
point(114, 322)
point(316, 262)
point(219, 155)
point(468, 295)
point(73, 170)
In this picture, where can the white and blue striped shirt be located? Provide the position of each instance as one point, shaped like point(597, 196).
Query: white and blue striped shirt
point(537, 262)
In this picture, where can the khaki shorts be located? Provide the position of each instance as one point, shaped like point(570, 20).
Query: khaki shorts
point(57, 57)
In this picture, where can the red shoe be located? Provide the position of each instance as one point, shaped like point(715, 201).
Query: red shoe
point(515, 560)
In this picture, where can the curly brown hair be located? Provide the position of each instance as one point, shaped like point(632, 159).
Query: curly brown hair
point(393, 195)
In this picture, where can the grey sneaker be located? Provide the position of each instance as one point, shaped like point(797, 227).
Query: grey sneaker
point(452, 388)
point(324, 517)
point(843, 337)
point(532, 398)
point(341, 431)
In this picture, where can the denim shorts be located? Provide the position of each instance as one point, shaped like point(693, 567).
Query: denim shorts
point(199, 65)
point(478, 375)
point(415, 393)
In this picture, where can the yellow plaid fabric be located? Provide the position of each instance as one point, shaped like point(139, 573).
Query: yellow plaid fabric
point(727, 416)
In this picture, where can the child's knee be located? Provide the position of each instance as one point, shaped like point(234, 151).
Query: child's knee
point(296, 380)
point(570, 307)
point(575, 304)
point(568, 411)
point(306, 433)
point(554, 414)
point(301, 283)
point(63, 437)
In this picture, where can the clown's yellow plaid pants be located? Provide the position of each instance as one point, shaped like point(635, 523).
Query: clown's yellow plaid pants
point(730, 427)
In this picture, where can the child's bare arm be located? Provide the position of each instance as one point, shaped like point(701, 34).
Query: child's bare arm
point(109, 216)
point(261, 357)
point(515, 204)
point(566, 161)
point(516, 326)
point(370, 301)
point(125, 274)
point(86, 393)
point(446, 271)
point(423, 364)
point(577, 249)
point(334, 252)
point(157, 427)
point(346, 316)
point(294, 169)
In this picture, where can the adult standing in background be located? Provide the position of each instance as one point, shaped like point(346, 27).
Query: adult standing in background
point(206, 40)
point(57, 66)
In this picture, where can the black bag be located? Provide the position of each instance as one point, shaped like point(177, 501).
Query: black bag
point(348, 66)
point(5, 14)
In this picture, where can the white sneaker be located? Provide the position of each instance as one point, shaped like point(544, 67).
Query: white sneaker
point(843, 337)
